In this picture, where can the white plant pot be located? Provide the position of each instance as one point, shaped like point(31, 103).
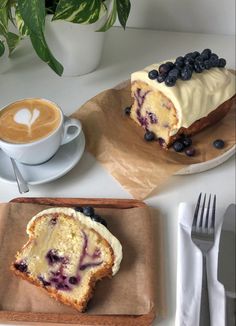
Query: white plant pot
point(4, 61)
point(77, 47)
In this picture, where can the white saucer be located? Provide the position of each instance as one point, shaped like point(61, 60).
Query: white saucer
point(62, 162)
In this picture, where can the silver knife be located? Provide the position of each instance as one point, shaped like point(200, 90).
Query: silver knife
point(226, 263)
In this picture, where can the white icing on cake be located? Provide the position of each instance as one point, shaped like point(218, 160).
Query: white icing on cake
point(195, 98)
point(26, 117)
point(101, 229)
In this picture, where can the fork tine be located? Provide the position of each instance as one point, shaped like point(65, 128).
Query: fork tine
point(208, 210)
point(196, 211)
point(202, 212)
point(213, 213)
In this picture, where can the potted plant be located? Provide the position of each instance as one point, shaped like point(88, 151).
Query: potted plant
point(62, 32)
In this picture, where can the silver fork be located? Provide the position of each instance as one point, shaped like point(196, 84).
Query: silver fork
point(203, 236)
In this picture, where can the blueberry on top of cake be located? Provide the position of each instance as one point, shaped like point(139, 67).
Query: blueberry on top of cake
point(182, 96)
point(67, 252)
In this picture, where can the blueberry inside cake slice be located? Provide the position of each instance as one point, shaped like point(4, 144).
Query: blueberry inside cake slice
point(67, 252)
point(181, 96)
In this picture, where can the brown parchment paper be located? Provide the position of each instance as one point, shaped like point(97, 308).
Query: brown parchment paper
point(140, 167)
point(131, 291)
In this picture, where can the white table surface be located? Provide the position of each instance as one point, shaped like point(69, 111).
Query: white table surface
point(125, 52)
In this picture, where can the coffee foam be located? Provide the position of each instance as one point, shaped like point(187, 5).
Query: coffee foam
point(28, 120)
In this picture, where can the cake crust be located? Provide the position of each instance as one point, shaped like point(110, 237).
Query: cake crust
point(53, 293)
point(103, 271)
point(212, 118)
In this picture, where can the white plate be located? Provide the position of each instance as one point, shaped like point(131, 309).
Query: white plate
point(201, 167)
point(62, 162)
point(197, 167)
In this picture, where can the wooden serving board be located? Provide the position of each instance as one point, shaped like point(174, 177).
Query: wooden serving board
point(82, 319)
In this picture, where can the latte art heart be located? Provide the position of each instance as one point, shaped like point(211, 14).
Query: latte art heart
point(26, 117)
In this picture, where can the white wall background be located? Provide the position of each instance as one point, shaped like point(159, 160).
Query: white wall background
point(201, 16)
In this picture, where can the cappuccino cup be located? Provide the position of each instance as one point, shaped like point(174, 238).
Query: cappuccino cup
point(33, 129)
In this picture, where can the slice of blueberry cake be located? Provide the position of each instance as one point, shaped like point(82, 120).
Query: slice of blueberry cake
point(67, 252)
point(181, 96)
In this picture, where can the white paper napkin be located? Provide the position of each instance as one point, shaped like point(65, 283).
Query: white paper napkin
point(189, 275)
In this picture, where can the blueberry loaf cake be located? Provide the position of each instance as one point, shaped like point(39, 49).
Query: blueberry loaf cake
point(182, 96)
point(67, 252)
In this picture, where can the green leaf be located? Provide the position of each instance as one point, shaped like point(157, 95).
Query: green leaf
point(111, 18)
point(123, 9)
point(42, 50)
point(3, 3)
point(3, 22)
point(79, 11)
point(2, 48)
point(23, 29)
point(12, 41)
point(33, 15)
point(10, 14)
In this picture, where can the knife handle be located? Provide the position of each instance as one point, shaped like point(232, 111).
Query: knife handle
point(230, 311)
point(204, 308)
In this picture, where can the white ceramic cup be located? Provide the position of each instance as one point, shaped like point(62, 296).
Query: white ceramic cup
point(42, 150)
